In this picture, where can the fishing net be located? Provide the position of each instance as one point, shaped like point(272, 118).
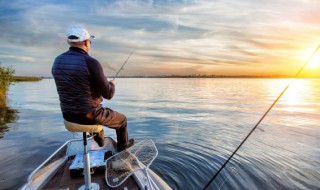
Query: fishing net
point(122, 165)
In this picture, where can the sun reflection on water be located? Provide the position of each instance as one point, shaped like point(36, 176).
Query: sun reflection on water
point(296, 95)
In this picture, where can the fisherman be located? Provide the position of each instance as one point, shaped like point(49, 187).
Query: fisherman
point(81, 86)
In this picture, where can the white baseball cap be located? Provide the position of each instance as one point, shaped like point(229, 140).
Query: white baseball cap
point(78, 34)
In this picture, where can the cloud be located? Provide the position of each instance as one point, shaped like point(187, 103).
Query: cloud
point(19, 58)
point(185, 36)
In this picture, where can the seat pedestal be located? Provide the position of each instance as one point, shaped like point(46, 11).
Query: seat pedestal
point(73, 127)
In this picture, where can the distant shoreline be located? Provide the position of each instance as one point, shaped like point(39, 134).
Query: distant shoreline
point(26, 78)
point(209, 76)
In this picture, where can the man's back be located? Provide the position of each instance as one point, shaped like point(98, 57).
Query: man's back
point(73, 81)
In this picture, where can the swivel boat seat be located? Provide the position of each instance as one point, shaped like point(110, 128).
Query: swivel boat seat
point(74, 127)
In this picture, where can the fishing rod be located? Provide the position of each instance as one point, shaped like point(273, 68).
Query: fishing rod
point(264, 115)
point(121, 68)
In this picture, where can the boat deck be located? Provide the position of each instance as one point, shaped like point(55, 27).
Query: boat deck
point(63, 180)
point(63, 170)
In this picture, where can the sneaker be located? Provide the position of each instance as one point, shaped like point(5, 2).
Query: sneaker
point(130, 144)
point(99, 138)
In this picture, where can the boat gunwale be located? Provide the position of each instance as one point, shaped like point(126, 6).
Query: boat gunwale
point(29, 180)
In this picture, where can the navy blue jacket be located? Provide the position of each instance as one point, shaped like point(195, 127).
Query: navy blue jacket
point(81, 85)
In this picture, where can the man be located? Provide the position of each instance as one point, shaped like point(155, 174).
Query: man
point(81, 86)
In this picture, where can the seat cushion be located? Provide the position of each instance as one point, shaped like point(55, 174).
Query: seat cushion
point(75, 127)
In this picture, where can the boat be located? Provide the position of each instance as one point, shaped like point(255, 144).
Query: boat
point(65, 168)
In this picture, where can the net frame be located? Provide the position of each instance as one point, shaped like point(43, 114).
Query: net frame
point(122, 165)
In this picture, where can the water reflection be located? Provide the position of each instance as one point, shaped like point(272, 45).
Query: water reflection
point(195, 123)
point(7, 115)
point(286, 152)
point(296, 97)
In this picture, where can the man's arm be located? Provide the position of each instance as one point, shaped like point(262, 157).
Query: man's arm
point(106, 88)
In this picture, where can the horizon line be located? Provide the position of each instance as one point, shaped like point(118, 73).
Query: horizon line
point(197, 76)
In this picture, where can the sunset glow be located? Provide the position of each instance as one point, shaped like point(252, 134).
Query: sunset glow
point(315, 61)
point(226, 37)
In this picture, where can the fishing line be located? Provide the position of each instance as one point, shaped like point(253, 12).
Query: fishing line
point(264, 115)
point(233, 169)
point(121, 68)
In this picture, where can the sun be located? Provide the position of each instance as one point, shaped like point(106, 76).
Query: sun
point(315, 61)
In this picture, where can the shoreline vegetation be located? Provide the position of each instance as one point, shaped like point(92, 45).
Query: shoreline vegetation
point(6, 78)
point(26, 78)
point(7, 115)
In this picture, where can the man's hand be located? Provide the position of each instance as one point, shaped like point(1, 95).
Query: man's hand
point(114, 82)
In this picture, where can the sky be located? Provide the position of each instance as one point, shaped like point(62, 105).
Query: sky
point(169, 37)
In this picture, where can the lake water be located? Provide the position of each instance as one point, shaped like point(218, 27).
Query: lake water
point(195, 123)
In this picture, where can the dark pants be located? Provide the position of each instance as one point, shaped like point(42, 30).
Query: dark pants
point(114, 120)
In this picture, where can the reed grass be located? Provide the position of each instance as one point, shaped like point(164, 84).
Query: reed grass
point(6, 77)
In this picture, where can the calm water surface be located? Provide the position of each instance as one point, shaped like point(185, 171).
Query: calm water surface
point(195, 124)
